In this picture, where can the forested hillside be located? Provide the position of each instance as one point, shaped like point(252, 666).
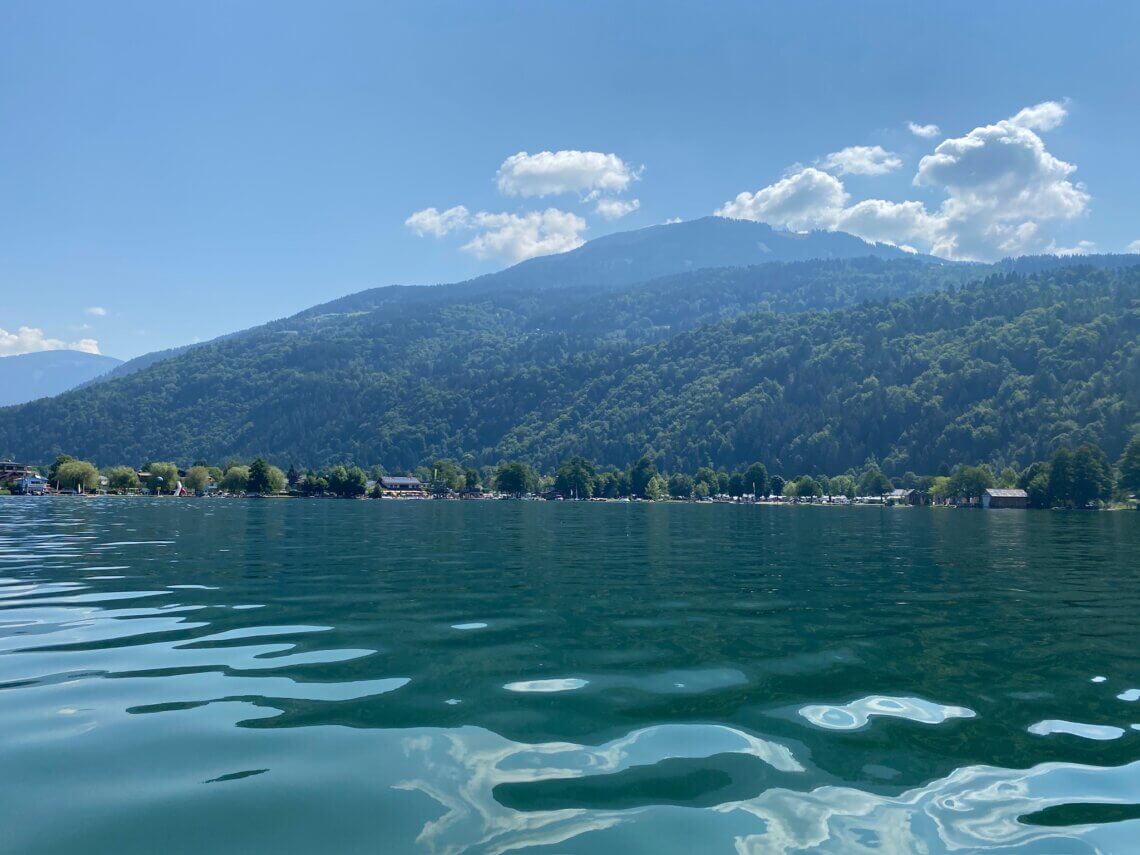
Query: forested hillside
point(1004, 370)
point(812, 365)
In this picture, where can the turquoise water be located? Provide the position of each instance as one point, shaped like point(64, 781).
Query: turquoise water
point(330, 676)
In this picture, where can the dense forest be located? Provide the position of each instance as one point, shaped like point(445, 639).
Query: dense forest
point(811, 366)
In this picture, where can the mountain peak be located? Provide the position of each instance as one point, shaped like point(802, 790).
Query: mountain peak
point(622, 258)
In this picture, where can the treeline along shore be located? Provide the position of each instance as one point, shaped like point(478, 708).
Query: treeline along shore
point(1081, 477)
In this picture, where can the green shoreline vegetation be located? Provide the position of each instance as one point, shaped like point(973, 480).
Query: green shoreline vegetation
point(1081, 477)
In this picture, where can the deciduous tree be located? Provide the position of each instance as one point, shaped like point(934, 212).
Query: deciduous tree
point(77, 475)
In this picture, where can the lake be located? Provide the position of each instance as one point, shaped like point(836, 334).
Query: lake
point(336, 676)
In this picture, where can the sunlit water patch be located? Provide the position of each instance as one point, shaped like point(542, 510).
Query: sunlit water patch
point(1075, 728)
point(858, 713)
point(558, 684)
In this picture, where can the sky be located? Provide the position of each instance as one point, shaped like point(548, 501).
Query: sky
point(170, 172)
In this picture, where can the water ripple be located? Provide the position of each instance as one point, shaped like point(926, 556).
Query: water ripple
point(858, 713)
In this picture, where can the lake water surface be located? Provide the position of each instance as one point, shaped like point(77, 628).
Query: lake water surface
point(333, 676)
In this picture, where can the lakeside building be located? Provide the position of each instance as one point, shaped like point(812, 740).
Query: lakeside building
point(399, 485)
point(11, 472)
point(996, 497)
point(916, 498)
point(30, 485)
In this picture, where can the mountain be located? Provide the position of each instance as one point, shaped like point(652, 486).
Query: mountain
point(635, 256)
point(49, 372)
point(627, 258)
point(807, 365)
point(663, 341)
point(613, 261)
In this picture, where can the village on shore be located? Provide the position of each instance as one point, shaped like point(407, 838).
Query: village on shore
point(1072, 478)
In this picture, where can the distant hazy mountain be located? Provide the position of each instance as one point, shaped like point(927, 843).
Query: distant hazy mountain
point(41, 375)
point(616, 260)
point(625, 258)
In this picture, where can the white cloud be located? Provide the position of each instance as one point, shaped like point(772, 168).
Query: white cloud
point(615, 209)
point(1133, 247)
point(999, 183)
point(674, 220)
point(808, 199)
point(431, 221)
point(1003, 169)
point(510, 237)
point(597, 177)
point(516, 237)
point(900, 223)
point(1083, 247)
point(927, 132)
point(548, 173)
point(1041, 117)
point(861, 160)
point(97, 311)
point(33, 340)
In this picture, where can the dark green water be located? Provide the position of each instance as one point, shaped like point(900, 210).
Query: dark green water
point(327, 676)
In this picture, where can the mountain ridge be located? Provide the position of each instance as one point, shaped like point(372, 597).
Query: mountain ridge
point(715, 242)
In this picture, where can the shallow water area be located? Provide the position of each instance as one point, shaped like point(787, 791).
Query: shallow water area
point(323, 675)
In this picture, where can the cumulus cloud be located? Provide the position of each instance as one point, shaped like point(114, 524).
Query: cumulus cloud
point(549, 173)
point(615, 209)
point(808, 199)
point(999, 183)
point(1003, 168)
point(516, 237)
point(431, 221)
point(861, 160)
point(927, 132)
point(33, 340)
point(1041, 117)
point(96, 311)
point(505, 236)
point(901, 223)
point(1133, 247)
point(596, 177)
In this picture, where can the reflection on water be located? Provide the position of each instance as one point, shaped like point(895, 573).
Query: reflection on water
point(565, 684)
point(1075, 728)
point(856, 714)
point(311, 676)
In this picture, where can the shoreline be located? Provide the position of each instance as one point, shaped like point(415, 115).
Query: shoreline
point(539, 500)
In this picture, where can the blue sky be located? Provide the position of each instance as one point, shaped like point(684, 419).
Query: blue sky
point(171, 172)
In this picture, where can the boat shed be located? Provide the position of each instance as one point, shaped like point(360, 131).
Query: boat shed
point(996, 497)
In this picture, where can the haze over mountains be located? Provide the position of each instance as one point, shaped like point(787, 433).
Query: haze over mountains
point(28, 376)
point(715, 341)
